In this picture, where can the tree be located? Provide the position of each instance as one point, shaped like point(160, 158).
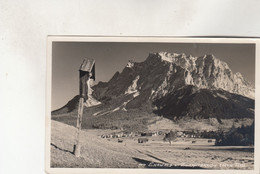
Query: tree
point(171, 136)
point(242, 136)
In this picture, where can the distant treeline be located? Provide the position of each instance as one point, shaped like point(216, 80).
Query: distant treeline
point(242, 136)
point(210, 134)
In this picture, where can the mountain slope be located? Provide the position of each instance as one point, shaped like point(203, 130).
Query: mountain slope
point(204, 103)
point(95, 152)
point(69, 107)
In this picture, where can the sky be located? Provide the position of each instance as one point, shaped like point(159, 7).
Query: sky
point(111, 57)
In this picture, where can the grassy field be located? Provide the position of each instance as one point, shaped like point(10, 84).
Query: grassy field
point(99, 152)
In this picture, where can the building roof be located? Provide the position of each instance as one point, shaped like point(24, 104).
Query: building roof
point(87, 65)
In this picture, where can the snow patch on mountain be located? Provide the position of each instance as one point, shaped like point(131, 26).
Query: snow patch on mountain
point(91, 101)
point(133, 87)
point(222, 96)
point(124, 104)
point(161, 90)
point(116, 109)
point(136, 94)
point(130, 64)
point(95, 114)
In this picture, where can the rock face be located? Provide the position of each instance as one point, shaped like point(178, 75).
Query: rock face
point(176, 85)
point(210, 73)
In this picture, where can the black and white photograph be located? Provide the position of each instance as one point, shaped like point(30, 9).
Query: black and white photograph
point(151, 103)
point(130, 87)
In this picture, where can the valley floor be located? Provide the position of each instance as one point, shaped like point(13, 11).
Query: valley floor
point(99, 152)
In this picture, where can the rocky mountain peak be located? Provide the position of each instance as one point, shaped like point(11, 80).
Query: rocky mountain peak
point(206, 71)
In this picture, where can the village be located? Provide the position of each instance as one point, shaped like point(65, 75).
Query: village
point(143, 137)
point(182, 134)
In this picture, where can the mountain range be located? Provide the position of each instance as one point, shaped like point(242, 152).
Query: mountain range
point(174, 86)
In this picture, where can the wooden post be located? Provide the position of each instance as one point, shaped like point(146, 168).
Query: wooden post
point(86, 69)
point(77, 146)
point(83, 90)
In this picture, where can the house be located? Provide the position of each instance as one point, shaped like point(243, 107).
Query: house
point(86, 72)
point(146, 134)
point(142, 140)
point(179, 133)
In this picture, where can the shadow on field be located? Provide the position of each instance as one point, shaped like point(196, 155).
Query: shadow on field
point(243, 149)
point(64, 150)
point(153, 157)
point(154, 165)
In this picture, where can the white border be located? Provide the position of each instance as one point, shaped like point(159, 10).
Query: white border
point(51, 39)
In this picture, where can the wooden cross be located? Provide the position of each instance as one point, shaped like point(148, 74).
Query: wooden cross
point(86, 71)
